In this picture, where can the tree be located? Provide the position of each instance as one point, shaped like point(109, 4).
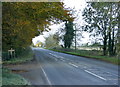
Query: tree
point(118, 33)
point(20, 21)
point(101, 18)
point(69, 35)
point(51, 41)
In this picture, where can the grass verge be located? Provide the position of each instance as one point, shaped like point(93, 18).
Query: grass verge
point(89, 54)
point(9, 78)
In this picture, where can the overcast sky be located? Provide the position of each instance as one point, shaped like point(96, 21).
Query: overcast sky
point(79, 5)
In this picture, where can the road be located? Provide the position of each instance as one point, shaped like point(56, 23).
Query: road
point(64, 69)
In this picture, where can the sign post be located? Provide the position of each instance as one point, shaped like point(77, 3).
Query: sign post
point(11, 53)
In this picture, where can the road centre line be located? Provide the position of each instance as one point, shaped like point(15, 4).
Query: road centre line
point(56, 56)
point(55, 59)
point(95, 75)
point(62, 59)
point(114, 74)
point(73, 65)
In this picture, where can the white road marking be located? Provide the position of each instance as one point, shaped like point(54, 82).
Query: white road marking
point(84, 67)
point(93, 69)
point(95, 75)
point(113, 79)
point(114, 74)
point(62, 58)
point(55, 59)
point(46, 76)
point(116, 83)
point(73, 65)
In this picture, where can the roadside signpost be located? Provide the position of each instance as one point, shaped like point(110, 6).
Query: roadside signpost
point(11, 53)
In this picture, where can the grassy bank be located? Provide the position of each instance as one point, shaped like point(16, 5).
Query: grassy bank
point(9, 78)
point(94, 54)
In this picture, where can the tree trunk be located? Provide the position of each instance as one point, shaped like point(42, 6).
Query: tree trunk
point(105, 45)
point(113, 45)
point(109, 44)
point(105, 37)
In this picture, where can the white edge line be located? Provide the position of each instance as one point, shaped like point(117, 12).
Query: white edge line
point(46, 76)
point(95, 75)
point(73, 65)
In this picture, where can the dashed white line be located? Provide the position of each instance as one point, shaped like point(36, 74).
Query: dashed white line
point(73, 65)
point(116, 83)
point(114, 74)
point(84, 67)
point(95, 75)
point(61, 57)
point(55, 59)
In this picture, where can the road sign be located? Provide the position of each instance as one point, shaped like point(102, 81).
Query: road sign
point(11, 53)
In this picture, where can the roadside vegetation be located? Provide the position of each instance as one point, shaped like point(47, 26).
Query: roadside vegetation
point(26, 20)
point(27, 55)
point(102, 24)
point(9, 78)
point(94, 54)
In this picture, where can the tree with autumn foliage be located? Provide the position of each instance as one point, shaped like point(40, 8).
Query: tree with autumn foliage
point(20, 21)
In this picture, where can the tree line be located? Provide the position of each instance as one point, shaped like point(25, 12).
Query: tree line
point(102, 19)
point(20, 21)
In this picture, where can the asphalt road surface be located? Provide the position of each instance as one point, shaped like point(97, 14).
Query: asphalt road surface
point(64, 69)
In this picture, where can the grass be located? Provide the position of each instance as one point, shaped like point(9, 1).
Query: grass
point(9, 78)
point(94, 54)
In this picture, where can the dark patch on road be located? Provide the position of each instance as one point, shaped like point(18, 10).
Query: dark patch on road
point(18, 71)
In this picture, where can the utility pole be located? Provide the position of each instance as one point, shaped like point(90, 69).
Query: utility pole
point(75, 38)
